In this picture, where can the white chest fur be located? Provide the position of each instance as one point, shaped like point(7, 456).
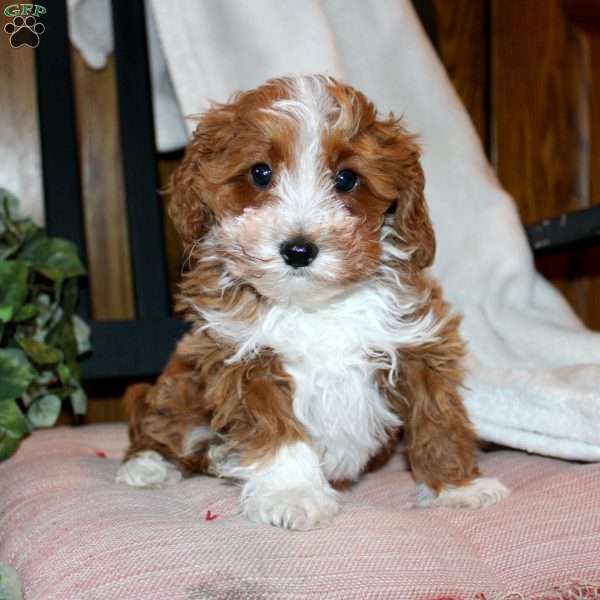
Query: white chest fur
point(333, 353)
point(336, 398)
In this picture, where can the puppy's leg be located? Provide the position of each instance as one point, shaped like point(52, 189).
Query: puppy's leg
point(287, 490)
point(169, 435)
point(283, 484)
point(441, 442)
point(148, 469)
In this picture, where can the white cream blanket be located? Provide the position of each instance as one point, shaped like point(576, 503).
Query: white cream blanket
point(534, 378)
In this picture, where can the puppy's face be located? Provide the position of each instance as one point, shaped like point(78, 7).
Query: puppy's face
point(290, 185)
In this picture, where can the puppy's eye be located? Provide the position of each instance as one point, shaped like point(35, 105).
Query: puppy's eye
point(346, 180)
point(261, 174)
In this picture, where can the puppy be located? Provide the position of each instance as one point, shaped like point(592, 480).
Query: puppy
point(317, 333)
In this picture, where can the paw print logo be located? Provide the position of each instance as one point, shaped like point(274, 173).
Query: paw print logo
point(24, 32)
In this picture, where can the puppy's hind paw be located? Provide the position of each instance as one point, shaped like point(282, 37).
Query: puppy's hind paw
point(479, 493)
point(148, 469)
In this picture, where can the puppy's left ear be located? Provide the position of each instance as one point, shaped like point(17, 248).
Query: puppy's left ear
point(411, 218)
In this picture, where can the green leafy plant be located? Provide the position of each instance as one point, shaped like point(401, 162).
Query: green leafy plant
point(10, 585)
point(41, 337)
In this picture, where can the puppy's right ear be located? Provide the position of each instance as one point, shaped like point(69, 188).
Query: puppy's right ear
point(192, 186)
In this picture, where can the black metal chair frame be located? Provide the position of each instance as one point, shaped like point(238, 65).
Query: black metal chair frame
point(140, 347)
point(121, 348)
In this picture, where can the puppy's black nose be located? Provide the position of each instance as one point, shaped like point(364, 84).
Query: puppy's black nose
point(298, 253)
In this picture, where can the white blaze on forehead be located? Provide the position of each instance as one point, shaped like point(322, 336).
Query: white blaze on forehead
point(311, 105)
point(305, 188)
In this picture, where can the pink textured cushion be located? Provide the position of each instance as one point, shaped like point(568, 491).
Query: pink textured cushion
point(72, 533)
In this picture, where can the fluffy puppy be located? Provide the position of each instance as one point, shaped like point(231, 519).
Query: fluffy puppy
point(317, 333)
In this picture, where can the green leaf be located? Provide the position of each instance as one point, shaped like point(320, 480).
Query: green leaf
point(82, 335)
point(26, 399)
point(57, 290)
point(46, 377)
point(57, 316)
point(44, 301)
point(54, 258)
point(15, 373)
point(8, 445)
point(6, 251)
point(64, 373)
point(75, 371)
point(13, 287)
point(69, 297)
point(11, 226)
point(43, 304)
point(39, 352)
point(63, 337)
point(12, 420)
point(26, 312)
point(10, 586)
point(28, 230)
point(44, 411)
point(9, 208)
point(79, 401)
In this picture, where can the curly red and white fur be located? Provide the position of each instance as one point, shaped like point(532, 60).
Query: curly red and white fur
point(297, 376)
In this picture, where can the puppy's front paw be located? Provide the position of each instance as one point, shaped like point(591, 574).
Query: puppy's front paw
point(479, 493)
point(148, 469)
point(301, 507)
